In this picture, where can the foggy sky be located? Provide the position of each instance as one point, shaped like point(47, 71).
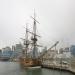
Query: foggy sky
point(56, 17)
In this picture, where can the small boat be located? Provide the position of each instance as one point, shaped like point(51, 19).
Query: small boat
point(33, 68)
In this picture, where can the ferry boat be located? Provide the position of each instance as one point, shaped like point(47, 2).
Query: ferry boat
point(26, 60)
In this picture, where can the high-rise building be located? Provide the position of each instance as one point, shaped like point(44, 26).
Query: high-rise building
point(18, 50)
point(6, 49)
point(13, 48)
point(7, 52)
point(67, 49)
point(0, 52)
point(61, 50)
point(72, 49)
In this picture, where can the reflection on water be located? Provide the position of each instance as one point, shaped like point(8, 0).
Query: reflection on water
point(13, 68)
point(34, 72)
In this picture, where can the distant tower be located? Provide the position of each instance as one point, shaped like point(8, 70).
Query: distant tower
point(13, 48)
point(72, 50)
point(0, 52)
point(61, 50)
point(45, 49)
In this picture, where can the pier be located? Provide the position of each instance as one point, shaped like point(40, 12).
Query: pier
point(50, 60)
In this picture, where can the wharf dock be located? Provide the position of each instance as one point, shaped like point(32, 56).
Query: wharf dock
point(51, 59)
point(69, 69)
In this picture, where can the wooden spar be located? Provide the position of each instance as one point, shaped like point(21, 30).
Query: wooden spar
point(26, 42)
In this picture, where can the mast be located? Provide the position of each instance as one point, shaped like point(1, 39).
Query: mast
point(26, 42)
point(34, 39)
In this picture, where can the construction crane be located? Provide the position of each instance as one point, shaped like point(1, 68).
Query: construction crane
point(54, 45)
point(50, 48)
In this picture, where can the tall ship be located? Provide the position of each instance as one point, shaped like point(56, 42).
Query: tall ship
point(30, 58)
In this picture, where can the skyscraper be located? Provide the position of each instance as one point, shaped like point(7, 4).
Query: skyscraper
point(72, 49)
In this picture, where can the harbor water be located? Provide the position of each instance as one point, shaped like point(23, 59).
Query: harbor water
point(13, 68)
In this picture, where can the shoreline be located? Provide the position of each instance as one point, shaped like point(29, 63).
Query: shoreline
point(57, 68)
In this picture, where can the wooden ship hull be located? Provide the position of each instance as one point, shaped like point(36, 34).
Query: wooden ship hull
point(28, 62)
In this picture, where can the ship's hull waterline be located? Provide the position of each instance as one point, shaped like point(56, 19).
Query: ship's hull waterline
point(30, 63)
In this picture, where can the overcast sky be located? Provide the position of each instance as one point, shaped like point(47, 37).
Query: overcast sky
point(56, 17)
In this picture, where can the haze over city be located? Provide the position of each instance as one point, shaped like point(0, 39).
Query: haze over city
point(37, 37)
point(56, 17)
